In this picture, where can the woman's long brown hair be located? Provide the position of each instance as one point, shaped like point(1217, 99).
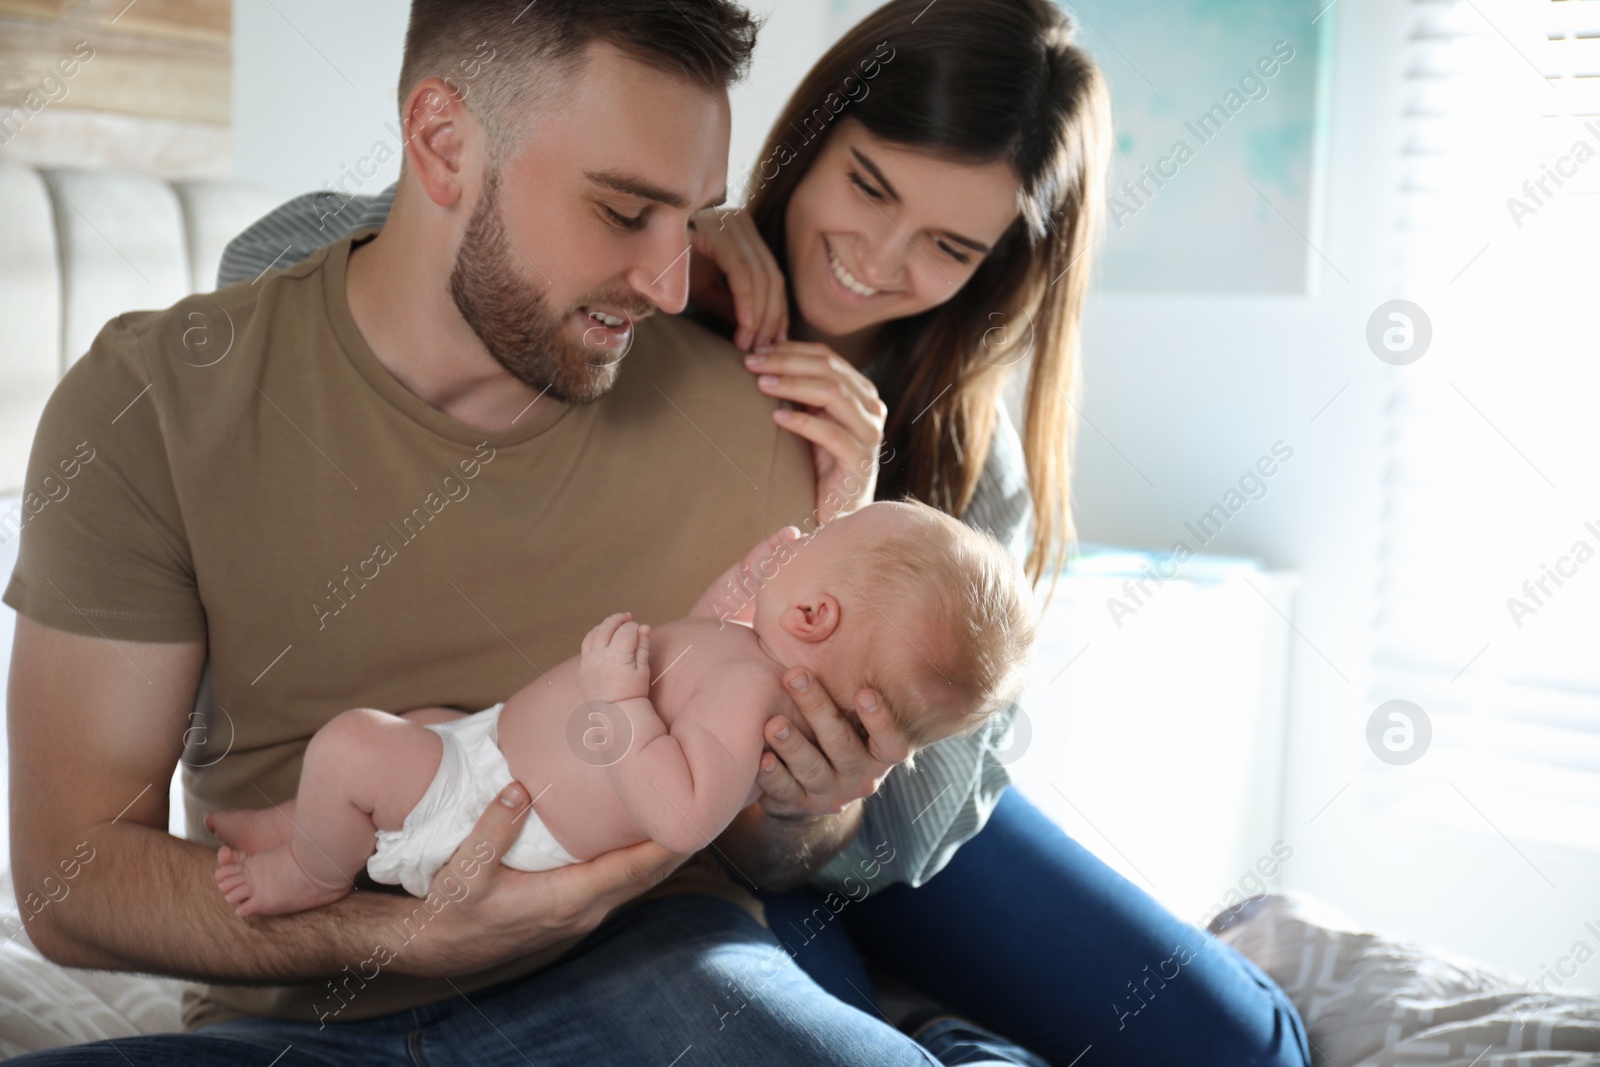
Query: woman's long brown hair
point(973, 81)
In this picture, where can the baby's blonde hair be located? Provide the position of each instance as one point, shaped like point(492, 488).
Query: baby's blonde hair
point(943, 570)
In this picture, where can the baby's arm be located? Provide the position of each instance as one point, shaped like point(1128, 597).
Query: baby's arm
point(681, 787)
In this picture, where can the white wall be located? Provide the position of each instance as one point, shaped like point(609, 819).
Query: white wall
point(314, 87)
point(1183, 394)
point(1190, 391)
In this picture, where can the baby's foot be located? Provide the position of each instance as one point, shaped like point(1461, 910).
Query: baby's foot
point(254, 830)
point(270, 883)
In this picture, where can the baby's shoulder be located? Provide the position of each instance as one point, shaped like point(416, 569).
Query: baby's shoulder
point(730, 663)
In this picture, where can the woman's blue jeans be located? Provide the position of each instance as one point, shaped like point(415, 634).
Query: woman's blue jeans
point(1029, 935)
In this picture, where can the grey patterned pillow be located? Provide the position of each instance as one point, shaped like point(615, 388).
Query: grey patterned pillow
point(1368, 1001)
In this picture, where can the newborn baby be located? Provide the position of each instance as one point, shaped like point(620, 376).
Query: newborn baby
point(652, 732)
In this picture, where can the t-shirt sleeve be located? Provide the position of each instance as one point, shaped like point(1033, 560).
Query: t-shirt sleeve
point(298, 228)
point(102, 549)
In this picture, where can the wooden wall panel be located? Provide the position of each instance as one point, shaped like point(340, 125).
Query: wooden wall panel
point(79, 79)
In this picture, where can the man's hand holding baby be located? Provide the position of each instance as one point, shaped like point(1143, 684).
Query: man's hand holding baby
point(490, 913)
point(809, 780)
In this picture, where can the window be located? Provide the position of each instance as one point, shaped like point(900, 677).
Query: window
point(1489, 598)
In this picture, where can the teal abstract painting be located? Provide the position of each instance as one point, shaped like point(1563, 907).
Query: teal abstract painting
point(1219, 113)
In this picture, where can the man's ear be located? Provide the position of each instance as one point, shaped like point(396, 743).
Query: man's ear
point(439, 131)
point(812, 618)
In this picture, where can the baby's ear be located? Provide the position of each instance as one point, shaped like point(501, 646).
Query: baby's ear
point(813, 618)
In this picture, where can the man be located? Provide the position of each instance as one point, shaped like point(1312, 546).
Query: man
point(409, 471)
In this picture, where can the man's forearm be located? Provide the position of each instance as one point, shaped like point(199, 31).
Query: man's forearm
point(149, 902)
point(780, 853)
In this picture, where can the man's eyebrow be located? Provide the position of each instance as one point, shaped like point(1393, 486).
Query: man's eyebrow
point(629, 185)
point(977, 246)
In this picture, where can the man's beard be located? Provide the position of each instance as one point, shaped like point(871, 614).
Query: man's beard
point(514, 321)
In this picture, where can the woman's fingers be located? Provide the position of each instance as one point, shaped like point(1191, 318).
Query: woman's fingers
point(751, 273)
point(743, 284)
point(770, 305)
point(752, 306)
point(794, 362)
point(847, 462)
point(773, 323)
point(844, 405)
point(819, 431)
point(813, 375)
point(804, 357)
point(709, 237)
point(844, 418)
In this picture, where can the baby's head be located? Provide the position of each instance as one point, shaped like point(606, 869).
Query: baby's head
point(936, 617)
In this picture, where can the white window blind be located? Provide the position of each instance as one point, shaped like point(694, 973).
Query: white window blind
point(1489, 597)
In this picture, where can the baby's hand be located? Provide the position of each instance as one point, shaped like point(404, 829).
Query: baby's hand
point(616, 660)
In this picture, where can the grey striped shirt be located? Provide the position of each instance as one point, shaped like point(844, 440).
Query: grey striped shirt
point(919, 816)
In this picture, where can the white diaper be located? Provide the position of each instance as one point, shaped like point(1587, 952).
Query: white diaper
point(471, 774)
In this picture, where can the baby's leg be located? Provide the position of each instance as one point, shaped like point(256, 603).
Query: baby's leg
point(253, 830)
point(364, 771)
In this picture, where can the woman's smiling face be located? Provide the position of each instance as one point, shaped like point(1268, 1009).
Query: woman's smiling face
point(877, 231)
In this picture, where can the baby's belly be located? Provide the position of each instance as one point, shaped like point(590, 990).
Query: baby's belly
point(555, 746)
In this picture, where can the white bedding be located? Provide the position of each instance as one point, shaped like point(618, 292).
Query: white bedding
point(46, 1006)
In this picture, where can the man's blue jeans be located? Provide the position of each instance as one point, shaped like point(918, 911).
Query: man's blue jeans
point(690, 980)
point(1031, 936)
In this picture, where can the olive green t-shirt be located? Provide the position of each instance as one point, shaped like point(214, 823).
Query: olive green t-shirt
point(258, 480)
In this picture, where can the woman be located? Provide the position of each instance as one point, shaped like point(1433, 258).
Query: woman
point(918, 228)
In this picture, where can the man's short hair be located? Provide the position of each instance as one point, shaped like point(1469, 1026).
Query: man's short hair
point(499, 54)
